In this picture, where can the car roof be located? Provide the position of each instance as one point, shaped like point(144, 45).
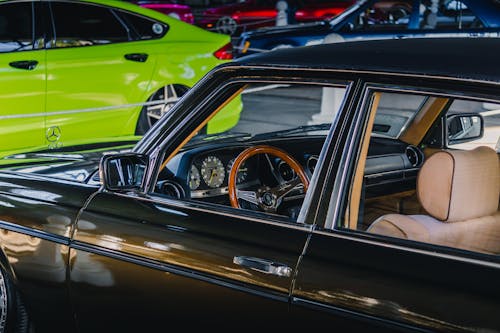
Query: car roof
point(475, 59)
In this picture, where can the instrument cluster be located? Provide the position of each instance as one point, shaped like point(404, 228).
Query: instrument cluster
point(209, 174)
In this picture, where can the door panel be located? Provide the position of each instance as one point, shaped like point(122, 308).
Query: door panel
point(93, 74)
point(36, 217)
point(22, 79)
point(188, 256)
point(412, 288)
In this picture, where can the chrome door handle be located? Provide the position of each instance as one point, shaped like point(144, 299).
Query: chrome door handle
point(263, 265)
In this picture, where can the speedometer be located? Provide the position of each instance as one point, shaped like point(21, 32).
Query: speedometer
point(212, 171)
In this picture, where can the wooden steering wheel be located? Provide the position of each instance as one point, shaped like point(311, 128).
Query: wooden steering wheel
point(266, 198)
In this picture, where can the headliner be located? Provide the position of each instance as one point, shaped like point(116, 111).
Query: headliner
point(475, 59)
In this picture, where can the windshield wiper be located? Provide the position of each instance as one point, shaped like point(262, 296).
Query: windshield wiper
point(295, 130)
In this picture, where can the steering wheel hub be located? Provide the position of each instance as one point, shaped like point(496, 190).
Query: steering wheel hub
point(268, 199)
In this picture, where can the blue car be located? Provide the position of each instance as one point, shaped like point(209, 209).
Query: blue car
point(383, 19)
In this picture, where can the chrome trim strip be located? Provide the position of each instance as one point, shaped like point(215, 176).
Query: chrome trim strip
point(182, 204)
point(34, 233)
point(381, 243)
point(87, 110)
point(166, 267)
point(338, 70)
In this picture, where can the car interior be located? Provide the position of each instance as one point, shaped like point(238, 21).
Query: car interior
point(401, 183)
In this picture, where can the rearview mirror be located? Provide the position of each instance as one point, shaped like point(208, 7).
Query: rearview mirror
point(464, 128)
point(123, 171)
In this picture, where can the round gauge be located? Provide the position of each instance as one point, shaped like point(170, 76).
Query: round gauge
point(194, 178)
point(242, 174)
point(212, 171)
point(286, 171)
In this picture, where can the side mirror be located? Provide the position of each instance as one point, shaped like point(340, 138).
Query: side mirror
point(123, 171)
point(464, 127)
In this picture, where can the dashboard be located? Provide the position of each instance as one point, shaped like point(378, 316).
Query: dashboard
point(201, 173)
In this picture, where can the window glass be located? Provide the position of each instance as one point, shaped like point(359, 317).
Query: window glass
point(450, 14)
point(16, 27)
point(84, 25)
point(394, 114)
point(265, 158)
point(142, 27)
point(409, 187)
point(383, 16)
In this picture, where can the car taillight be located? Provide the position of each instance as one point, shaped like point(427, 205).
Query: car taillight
point(225, 52)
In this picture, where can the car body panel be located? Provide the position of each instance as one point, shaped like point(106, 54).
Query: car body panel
point(417, 294)
point(337, 29)
point(180, 240)
point(252, 14)
point(42, 233)
point(22, 99)
point(80, 93)
point(135, 258)
point(119, 82)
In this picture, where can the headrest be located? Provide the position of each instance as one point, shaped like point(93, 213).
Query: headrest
point(460, 185)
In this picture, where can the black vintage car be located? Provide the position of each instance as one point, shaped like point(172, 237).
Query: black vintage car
point(359, 190)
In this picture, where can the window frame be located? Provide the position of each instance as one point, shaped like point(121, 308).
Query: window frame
point(339, 200)
point(214, 97)
point(132, 35)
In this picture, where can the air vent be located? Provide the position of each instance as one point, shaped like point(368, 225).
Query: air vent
point(414, 155)
point(172, 189)
point(311, 163)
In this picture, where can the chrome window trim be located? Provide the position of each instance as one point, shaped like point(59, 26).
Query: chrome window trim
point(207, 208)
point(163, 146)
point(336, 202)
point(336, 233)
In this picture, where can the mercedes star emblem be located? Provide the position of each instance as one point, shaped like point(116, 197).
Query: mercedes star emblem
point(53, 133)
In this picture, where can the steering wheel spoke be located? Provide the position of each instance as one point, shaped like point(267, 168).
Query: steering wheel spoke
point(248, 196)
point(282, 190)
point(273, 170)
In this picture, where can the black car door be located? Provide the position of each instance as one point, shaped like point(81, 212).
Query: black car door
point(366, 279)
point(140, 262)
point(393, 283)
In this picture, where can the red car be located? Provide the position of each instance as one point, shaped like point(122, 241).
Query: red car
point(251, 14)
point(179, 11)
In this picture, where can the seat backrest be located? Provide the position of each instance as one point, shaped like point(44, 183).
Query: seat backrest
point(460, 192)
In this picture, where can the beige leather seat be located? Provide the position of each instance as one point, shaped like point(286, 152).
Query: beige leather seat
point(460, 192)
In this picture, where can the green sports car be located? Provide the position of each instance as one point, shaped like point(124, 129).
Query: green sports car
point(80, 71)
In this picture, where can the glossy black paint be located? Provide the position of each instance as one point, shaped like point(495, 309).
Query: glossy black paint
point(87, 259)
point(403, 284)
point(185, 243)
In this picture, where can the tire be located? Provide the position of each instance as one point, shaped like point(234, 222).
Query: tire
point(150, 114)
point(226, 25)
point(13, 315)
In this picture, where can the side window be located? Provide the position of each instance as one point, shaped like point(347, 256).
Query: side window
point(383, 16)
point(16, 27)
point(405, 188)
point(259, 152)
point(451, 14)
point(143, 27)
point(85, 25)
